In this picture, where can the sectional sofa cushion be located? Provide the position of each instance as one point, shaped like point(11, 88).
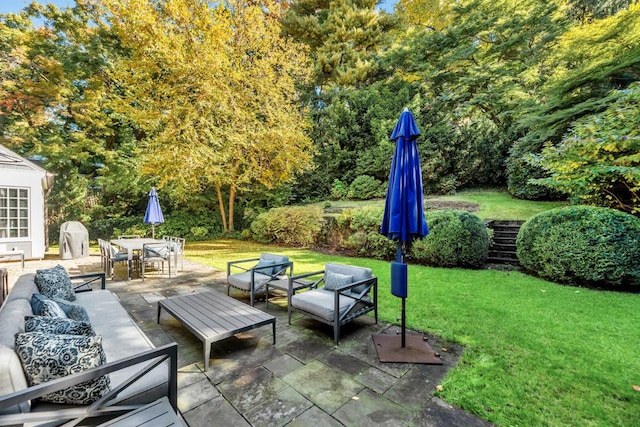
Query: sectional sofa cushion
point(43, 306)
point(73, 311)
point(55, 283)
point(57, 326)
point(45, 357)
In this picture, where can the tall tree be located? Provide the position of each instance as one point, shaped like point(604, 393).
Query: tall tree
point(212, 86)
point(598, 161)
point(54, 102)
point(344, 36)
point(588, 62)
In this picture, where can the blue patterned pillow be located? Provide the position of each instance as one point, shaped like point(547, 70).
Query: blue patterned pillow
point(57, 326)
point(43, 306)
point(333, 281)
point(73, 311)
point(55, 283)
point(45, 357)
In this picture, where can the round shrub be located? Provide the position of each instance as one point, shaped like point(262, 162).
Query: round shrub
point(455, 239)
point(582, 245)
point(365, 187)
point(294, 226)
point(366, 239)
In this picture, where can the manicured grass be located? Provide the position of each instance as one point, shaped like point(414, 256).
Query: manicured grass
point(537, 353)
point(498, 204)
point(493, 204)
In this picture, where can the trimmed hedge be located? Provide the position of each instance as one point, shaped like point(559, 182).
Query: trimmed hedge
point(292, 226)
point(455, 239)
point(582, 245)
point(177, 223)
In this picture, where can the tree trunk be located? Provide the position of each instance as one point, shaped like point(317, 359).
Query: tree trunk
point(221, 207)
point(232, 196)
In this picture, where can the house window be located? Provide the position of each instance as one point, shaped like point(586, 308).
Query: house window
point(14, 212)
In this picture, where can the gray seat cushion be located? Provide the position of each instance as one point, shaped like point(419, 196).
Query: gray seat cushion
point(320, 302)
point(243, 280)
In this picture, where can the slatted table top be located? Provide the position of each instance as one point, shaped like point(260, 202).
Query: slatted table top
point(213, 316)
point(158, 413)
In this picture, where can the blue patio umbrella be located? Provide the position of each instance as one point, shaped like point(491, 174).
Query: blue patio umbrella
point(404, 222)
point(153, 215)
point(403, 219)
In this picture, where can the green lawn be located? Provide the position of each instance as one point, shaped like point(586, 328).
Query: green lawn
point(537, 353)
point(497, 204)
point(493, 204)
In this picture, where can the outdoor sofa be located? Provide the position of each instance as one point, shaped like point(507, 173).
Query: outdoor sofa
point(139, 373)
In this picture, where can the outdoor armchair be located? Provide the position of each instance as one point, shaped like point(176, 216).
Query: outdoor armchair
point(339, 294)
point(268, 267)
point(177, 245)
point(109, 256)
point(153, 253)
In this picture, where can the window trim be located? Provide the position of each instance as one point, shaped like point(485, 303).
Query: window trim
point(5, 231)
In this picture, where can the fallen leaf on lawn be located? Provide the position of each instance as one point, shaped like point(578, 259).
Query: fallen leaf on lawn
point(636, 387)
point(444, 349)
point(355, 398)
point(439, 388)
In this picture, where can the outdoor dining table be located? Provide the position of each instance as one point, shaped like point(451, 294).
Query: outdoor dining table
point(132, 245)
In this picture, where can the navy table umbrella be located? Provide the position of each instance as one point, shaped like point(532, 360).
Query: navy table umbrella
point(153, 215)
point(404, 222)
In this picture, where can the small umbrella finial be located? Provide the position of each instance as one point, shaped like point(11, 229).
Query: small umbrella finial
point(406, 109)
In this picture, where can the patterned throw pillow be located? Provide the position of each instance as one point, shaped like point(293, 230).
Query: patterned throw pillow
point(264, 266)
point(333, 281)
point(45, 357)
point(43, 306)
point(57, 326)
point(55, 283)
point(73, 311)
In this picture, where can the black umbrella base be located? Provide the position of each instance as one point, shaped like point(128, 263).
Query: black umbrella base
point(416, 349)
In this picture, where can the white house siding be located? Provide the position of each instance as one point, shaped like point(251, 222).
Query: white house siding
point(17, 172)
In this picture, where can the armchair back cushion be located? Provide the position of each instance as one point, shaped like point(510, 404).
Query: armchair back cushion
point(265, 266)
point(277, 259)
point(358, 274)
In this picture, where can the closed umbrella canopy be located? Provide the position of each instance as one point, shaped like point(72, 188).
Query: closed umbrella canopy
point(403, 218)
point(153, 215)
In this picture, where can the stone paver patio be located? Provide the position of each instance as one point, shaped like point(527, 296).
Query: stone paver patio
point(302, 380)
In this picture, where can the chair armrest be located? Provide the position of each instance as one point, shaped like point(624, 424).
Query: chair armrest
point(167, 352)
point(311, 285)
point(288, 265)
point(87, 280)
point(234, 264)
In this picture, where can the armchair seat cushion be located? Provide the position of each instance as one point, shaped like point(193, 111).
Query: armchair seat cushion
point(243, 280)
point(320, 302)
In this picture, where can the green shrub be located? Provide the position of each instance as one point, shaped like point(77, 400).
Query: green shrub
point(192, 226)
point(294, 226)
point(455, 239)
point(339, 190)
point(582, 245)
point(365, 187)
point(366, 239)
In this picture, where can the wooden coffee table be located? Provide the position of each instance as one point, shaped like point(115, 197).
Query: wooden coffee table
point(214, 316)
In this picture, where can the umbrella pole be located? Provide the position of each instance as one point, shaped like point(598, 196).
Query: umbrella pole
point(400, 258)
point(153, 231)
